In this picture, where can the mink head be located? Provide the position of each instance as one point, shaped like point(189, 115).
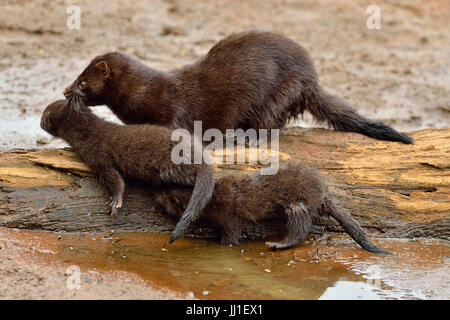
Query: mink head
point(54, 116)
point(88, 88)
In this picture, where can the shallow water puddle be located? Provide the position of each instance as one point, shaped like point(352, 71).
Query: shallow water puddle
point(325, 267)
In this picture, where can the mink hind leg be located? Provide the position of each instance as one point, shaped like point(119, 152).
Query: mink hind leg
point(299, 225)
point(274, 113)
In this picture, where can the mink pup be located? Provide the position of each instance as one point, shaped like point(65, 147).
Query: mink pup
point(297, 194)
point(254, 79)
point(141, 152)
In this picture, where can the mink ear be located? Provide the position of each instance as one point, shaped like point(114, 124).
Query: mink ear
point(103, 67)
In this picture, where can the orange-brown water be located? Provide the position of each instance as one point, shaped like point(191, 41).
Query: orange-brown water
point(325, 267)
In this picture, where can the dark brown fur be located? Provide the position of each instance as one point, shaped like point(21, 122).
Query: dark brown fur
point(296, 192)
point(254, 79)
point(138, 152)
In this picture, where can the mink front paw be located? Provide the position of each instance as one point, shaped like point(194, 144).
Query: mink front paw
point(225, 241)
point(115, 205)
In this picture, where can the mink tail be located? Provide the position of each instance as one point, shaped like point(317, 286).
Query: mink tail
point(202, 193)
point(351, 227)
point(338, 113)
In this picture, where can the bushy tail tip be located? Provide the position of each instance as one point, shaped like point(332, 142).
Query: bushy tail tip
point(351, 227)
point(180, 228)
point(174, 237)
point(201, 195)
point(381, 131)
point(340, 115)
point(374, 249)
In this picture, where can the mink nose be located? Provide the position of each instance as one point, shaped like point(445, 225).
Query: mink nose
point(67, 92)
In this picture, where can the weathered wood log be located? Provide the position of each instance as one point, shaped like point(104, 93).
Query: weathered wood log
point(392, 189)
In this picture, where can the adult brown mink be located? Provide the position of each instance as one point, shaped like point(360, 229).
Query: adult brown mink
point(254, 79)
point(140, 152)
point(296, 193)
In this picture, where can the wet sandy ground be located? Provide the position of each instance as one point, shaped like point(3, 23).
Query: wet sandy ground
point(143, 266)
point(31, 267)
point(399, 75)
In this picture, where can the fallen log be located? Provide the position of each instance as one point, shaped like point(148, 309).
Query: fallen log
point(393, 190)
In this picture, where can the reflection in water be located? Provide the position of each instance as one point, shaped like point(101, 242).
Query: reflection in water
point(369, 290)
point(350, 290)
point(322, 268)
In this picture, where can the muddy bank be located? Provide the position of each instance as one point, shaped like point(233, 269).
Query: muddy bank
point(30, 269)
point(124, 265)
point(398, 74)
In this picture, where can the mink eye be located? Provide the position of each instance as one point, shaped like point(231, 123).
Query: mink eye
point(83, 85)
